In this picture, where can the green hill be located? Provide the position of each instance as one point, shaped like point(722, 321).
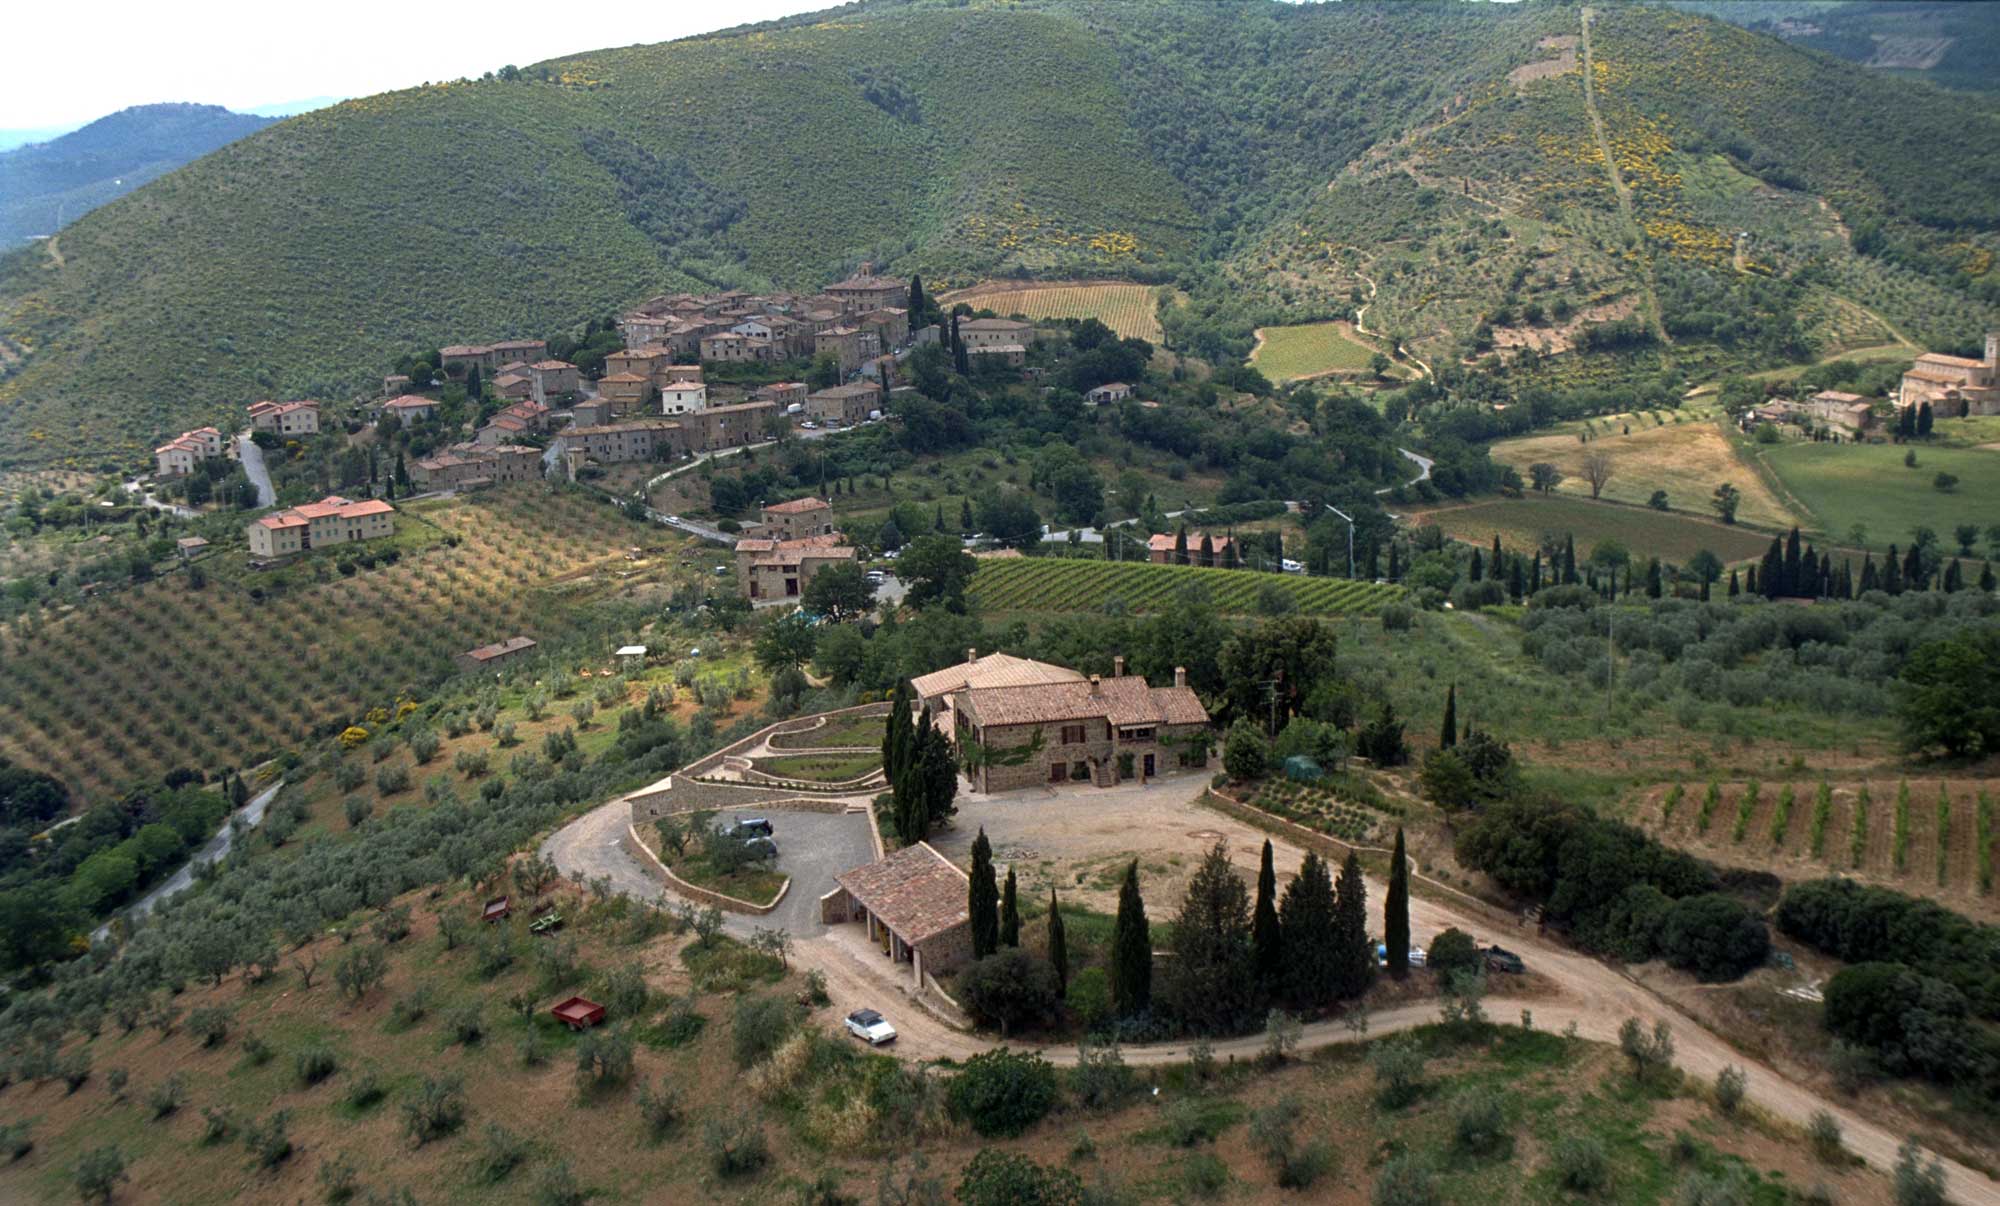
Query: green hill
point(1278, 162)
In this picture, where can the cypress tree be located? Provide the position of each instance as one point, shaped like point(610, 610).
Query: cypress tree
point(983, 899)
point(1448, 733)
point(1914, 576)
point(1353, 957)
point(1058, 945)
point(1569, 560)
point(1772, 574)
point(1131, 949)
point(1655, 586)
point(1924, 418)
point(1306, 925)
point(1206, 551)
point(1954, 578)
point(1986, 579)
point(1395, 563)
point(1010, 912)
point(1735, 587)
point(1516, 586)
point(1396, 911)
point(1892, 572)
point(1180, 546)
point(895, 737)
point(1793, 583)
point(1477, 569)
point(916, 298)
point(1266, 941)
point(1868, 581)
point(1494, 560)
point(1750, 580)
point(1535, 581)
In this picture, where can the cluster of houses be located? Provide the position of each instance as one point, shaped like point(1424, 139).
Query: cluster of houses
point(179, 456)
point(1838, 414)
point(792, 542)
point(858, 321)
point(332, 520)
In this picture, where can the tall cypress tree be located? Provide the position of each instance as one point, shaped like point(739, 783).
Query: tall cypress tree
point(1131, 949)
point(1395, 562)
point(1010, 911)
point(1353, 957)
point(1266, 942)
point(1569, 560)
point(1735, 586)
point(1655, 585)
point(1517, 584)
point(1477, 570)
point(1771, 577)
point(1535, 581)
point(1396, 911)
point(1180, 546)
point(1058, 945)
point(894, 737)
point(1986, 578)
point(983, 899)
point(1494, 560)
point(1305, 920)
point(916, 299)
point(1892, 572)
point(1448, 732)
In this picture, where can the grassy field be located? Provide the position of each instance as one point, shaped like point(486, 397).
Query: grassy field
point(1522, 522)
point(857, 730)
point(1309, 350)
point(821, 768)
point(1129, 310)
point(1867, 484)
point(1051, 584)
point(1687, 459)
point(162, 675)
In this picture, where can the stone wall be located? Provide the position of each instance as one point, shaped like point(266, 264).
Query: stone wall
point(650, 862)
point(947, 950)
point(686, 791)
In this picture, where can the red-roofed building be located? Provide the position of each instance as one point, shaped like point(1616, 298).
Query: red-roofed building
point(1160, 550)
point(285, 418)
point(178, 456)
point(807, 516)
point(411, 407)
point(332, 520)
point(915, 905)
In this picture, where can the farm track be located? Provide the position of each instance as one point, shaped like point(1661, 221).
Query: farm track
point(1618, 185)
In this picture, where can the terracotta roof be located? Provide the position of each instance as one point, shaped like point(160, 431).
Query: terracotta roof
point(1953, 361)
point(860, 389)
point(552, 365)
point(1163, 542)
point(789, 553)
point(463, 349)
point(283, 519)
point(1834, 395)
point(191, 542)
point(1937, 378)
point(798, 506)
point(755, 546)
point(916, 892)
point(997, 349)
point(993, 670)
point(486, 653)
point(624, 379)
point(994, 324)
point(1122, 701)
point(409, 402)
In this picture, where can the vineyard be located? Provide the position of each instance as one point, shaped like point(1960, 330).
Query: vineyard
point(1927, 837)
point(162, 675)
point(1127, 309)
point(1309, 350)
point(1048, 584)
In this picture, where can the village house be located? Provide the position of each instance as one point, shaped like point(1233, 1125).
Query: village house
point(772, 571)
point(1954, 385)
point(783, 393)
point(683, 397)
point(847, 345)
point(980, 333)
point(730, 346)
point(626, 392)
point(865, 291)
point(1026, 724)
point(914, 905)
point(1202, 549)
point(617, 443)
point(845, 403)
point(729, 426)
point(190, 547)
point(890, 325)
point(488, 358)
point(998, 355)
point(410, 408)
point(179, 456)
point(332, 520)
point(591, 412)
point(395, 384)
point(1851, 413)
point(1112, 391)
point(502, 428)
point(553, 379)
point(285, 418)
point(488, 657)
point(798, 518)
point(513, 387)
point(470, 466)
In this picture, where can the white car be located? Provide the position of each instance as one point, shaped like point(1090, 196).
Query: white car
point(870, 1027)
point(1292, 567)
point(809, 425)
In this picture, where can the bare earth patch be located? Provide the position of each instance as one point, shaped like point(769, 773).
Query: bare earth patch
point(1561, 61)
point(1687, 460)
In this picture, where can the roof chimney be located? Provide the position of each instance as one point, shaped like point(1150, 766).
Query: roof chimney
point(1118, 666)
point(971, 654)
point(1180, 676)
point(1096, 686)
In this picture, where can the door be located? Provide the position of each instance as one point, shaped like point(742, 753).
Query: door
point(1058, 772)
point(1149, 766)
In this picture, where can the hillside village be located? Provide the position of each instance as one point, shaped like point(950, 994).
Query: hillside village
point(1461, 687)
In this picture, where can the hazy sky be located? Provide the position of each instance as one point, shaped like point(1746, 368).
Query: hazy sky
point(73, 64)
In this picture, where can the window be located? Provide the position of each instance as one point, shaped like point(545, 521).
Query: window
point(1072, 734)
point(1145, 734)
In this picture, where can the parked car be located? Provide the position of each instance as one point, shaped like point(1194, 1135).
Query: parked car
point(762, 847)
point(1417, 956)
point(1502, 960)
point(1292, 567)
point(870, 1027)
point(751, 827)
point(809, 425)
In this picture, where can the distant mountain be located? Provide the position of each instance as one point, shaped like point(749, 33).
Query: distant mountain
point(46, 184)
point(292, 108)
point(1951, 43)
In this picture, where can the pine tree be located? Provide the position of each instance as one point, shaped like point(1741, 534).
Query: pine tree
point(1354, 959)
point(1266, 940)
point(1396, 911)
point(1305, 920)
point(1448, 732)
point(983, 899)
point(1131, 950)
point(1010, 912)
point(1058, 945)
point(1210, 985)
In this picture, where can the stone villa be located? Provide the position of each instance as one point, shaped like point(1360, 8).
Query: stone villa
point(1954, 385)
point(771, 571)
point(332, 520)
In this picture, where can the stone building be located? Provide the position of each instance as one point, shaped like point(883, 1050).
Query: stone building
point(1955, 385)
point(914, 905)
point(332, 520)
point(800, 517)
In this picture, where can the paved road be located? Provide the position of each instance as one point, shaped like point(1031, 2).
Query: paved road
point(813, 847)
point(252, 459)
point(251, 813)
point(147, 499)
point(1422, 462)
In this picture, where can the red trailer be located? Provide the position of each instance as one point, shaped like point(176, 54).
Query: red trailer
point(496, 909)
point(578, 1013)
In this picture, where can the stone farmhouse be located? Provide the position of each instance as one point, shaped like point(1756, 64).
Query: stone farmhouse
point(487, 657)
point(1954, 385)
point(784, 393)
point(470, 466)
point(845, 403)
point(626, 392)
point(1160, 549)
point(794, 520)
point(1035, 724)
point(513, 387)
point(553, 379)
point(865, 291)
point(285, 418)
point(983, 333)
point(848, 345)
point(772, 571)
point(332, 520)
point(179, 456)
point(914, 904)
point(411, 407)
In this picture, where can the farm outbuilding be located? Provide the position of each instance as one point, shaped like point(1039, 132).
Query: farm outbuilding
point(914, 905)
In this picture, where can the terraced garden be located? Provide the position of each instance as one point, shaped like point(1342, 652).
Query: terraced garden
point(1051, 584)
point(161, 675)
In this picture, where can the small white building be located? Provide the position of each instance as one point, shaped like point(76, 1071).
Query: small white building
point(683, 397)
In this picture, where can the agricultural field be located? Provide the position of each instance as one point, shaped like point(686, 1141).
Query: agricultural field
point(1844, 485)
point(1052, 584)
point(1130, 310)
point(164, 675)
point(1311, 349)
point(1927, 837)
point(1521, 523)
point(1688, 459)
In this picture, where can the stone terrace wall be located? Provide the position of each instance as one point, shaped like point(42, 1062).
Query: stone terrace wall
point(683, 792)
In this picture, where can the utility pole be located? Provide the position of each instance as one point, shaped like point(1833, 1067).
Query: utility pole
point(1350, 535)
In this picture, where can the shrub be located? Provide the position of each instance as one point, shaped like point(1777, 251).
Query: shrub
point(1002, 1093)
point(1002, 1178)
point(98, 1173)
point(1089, 996)
point(315, 1063)
point(16, 1140)
point(557, 1187)
point(1479, 1119)
point(660, 1107)
point(1296, 1165)
point(501, 1152)
point(269, 1141)
point(390, 780)
point(471, 763)
point(1714, 936)
point(1010, 988)
point(339, 1179)
point(1453, 951)
point(210, 1024)
point(437, 1110)
point(761, 1024)
point(467, 1024)
point(1406, 1180)
point(1918, 1183)
point(167, 1097)
point(1581, 1165)
point(603, 1057)
point(735, 1145)
point(1729, 1086)
point(412, 1008)
point(1101, 1079)
point(365, 1091)
point(357, 809)
point(423, 746)
point(1823, 1130)
point(1203, 1175)
point(256, 1050)
point(1398, 617)
point(218, 1123)
point(1399, 1072)
point(1910, 1022)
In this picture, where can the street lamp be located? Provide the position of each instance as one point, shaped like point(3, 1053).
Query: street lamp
point(1350, 535)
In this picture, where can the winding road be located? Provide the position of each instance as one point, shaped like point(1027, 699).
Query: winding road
point(251, 813)
point(251, 458)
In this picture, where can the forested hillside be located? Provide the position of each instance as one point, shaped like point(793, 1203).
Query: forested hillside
point(1277, 162)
